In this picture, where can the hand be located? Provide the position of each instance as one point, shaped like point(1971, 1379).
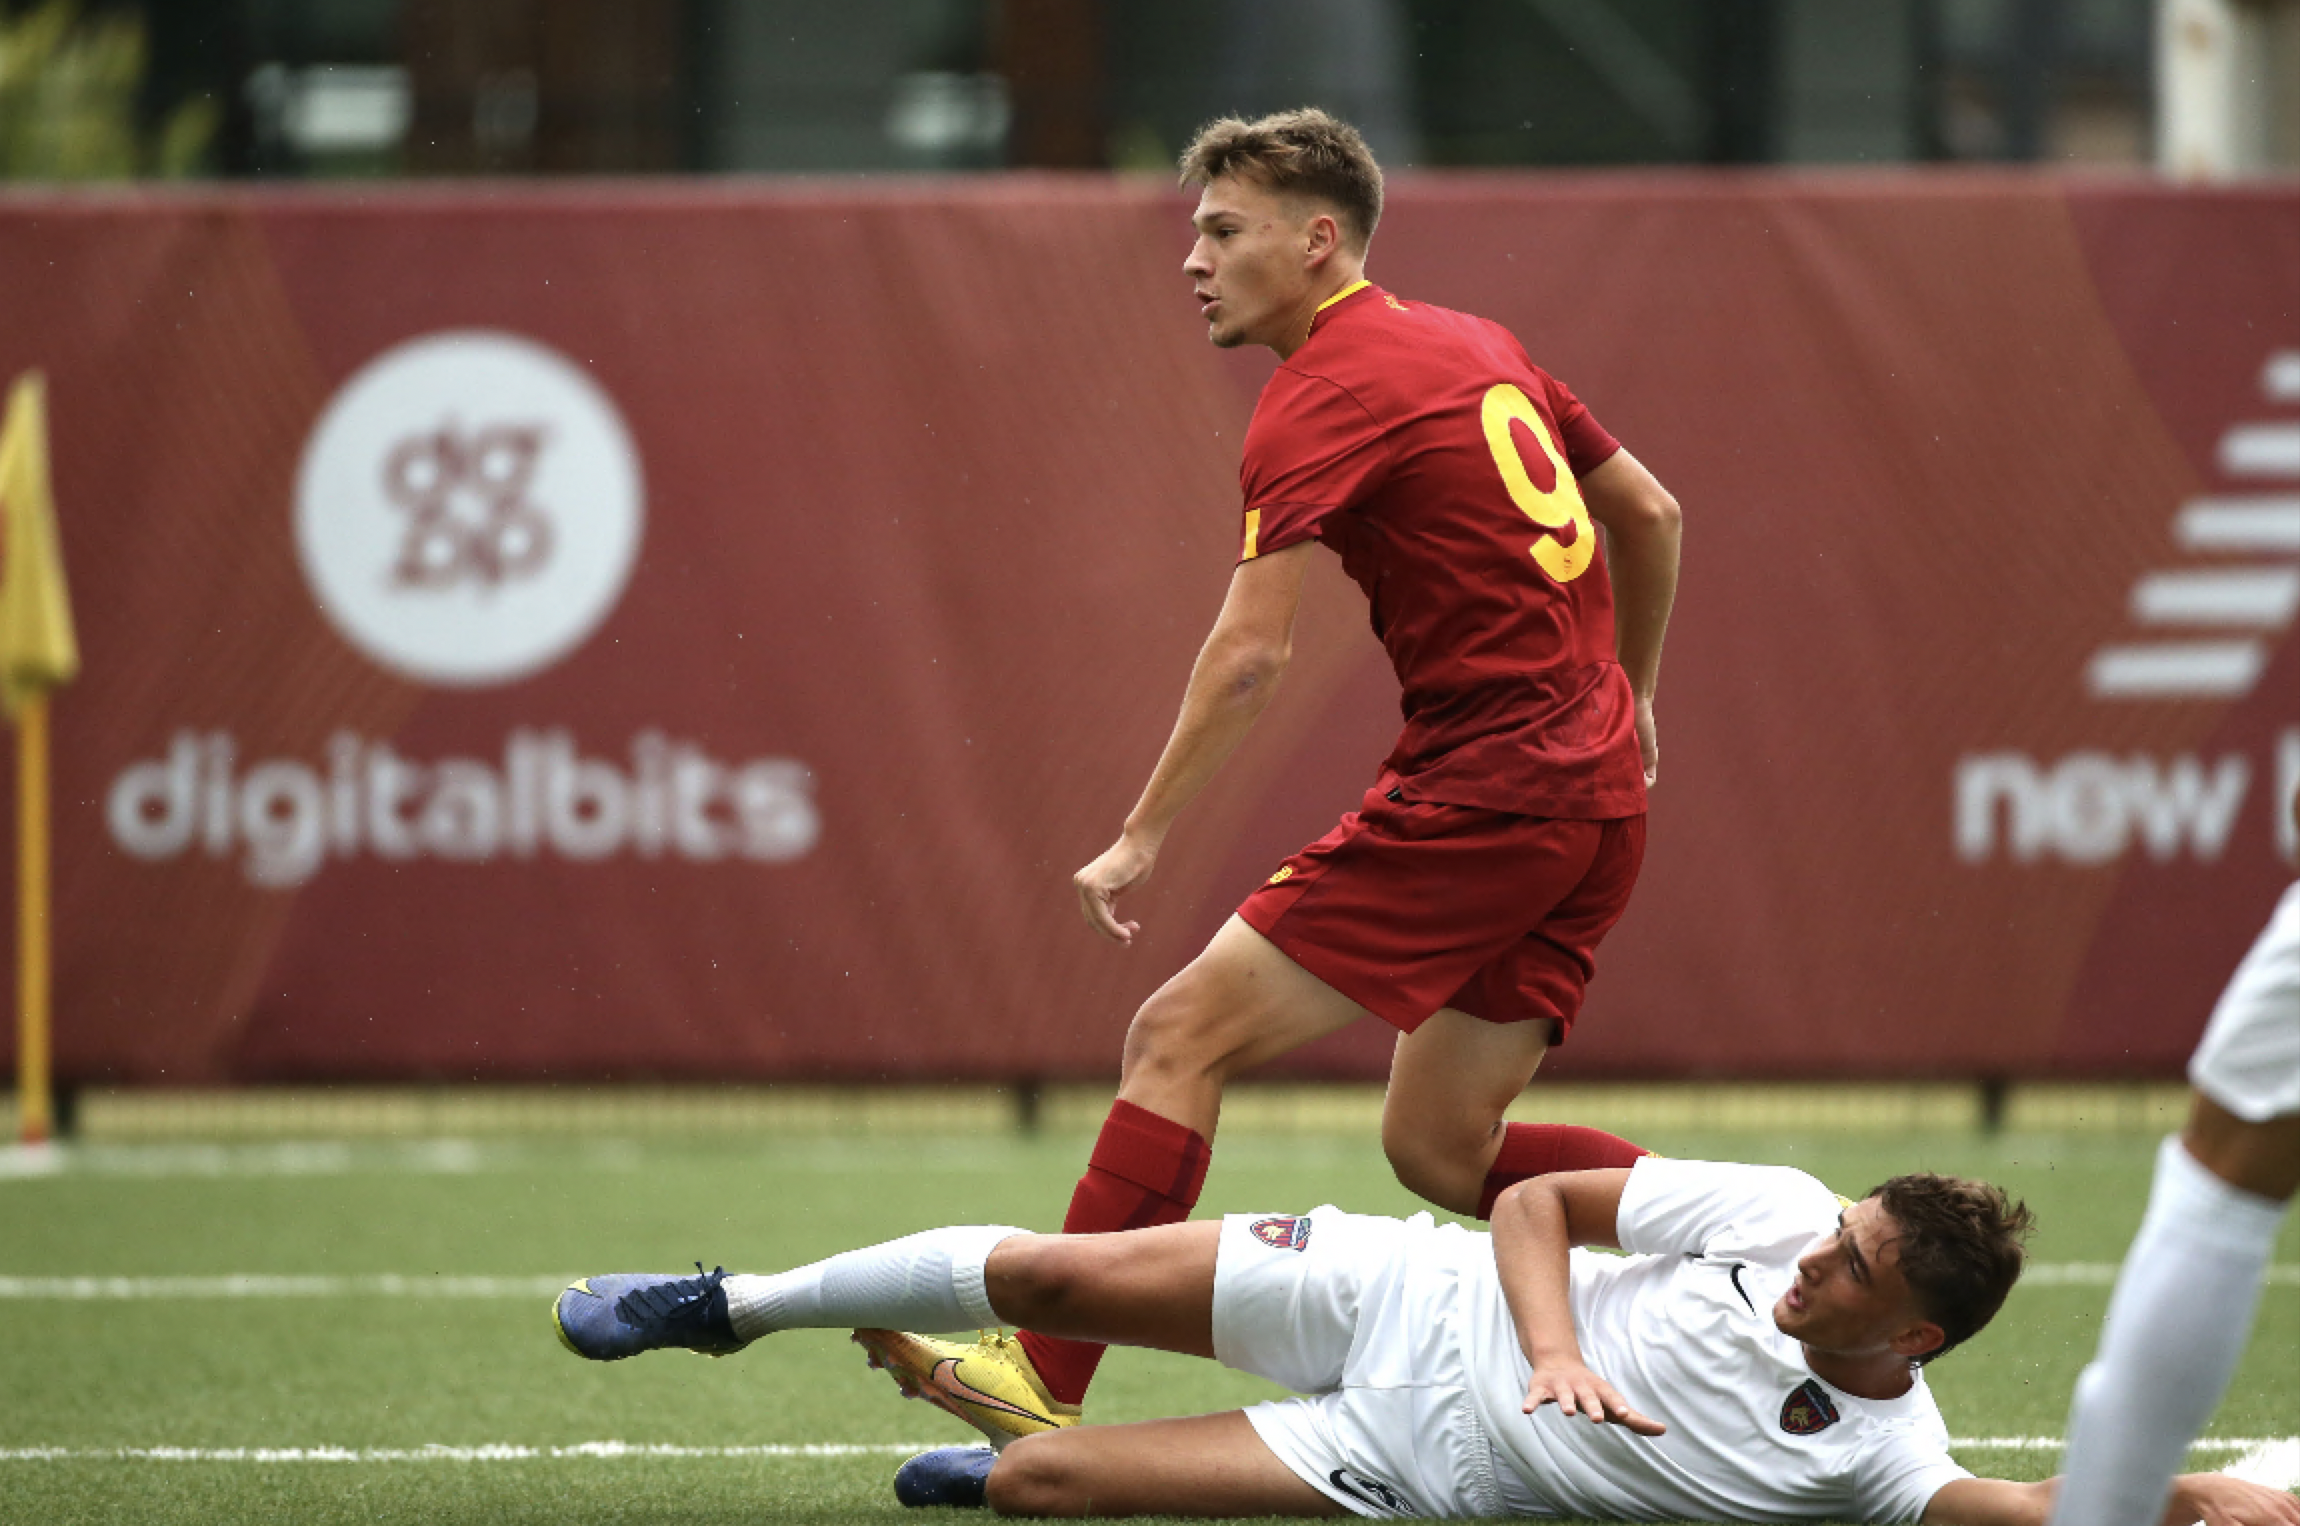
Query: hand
point(1578, 1391)
point(1648, 742)
point(1125, 864)
point(2215, 1499)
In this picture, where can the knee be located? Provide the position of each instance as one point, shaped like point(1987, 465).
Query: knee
point(1032, 1478)
point(1412, 1158)
point(1175, 1033)
point(1031, 1279)
point(1443, 1162)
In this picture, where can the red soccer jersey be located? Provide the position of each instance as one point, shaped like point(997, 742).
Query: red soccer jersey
point(1425, 447)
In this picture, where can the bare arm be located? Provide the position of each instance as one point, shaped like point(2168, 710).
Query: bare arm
point(2212, 1498)
point(1534, 1224)
point(1991, 1502)
point(1642, 531)
point(1232, 682)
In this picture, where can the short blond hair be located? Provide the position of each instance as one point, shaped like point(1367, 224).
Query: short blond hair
point(1295, 153)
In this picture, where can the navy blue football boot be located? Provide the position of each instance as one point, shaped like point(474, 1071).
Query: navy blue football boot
point(611, 1317)
point(946, 1476)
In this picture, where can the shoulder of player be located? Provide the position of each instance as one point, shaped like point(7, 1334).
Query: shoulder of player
point(1365, 352)
point(1801, 1203)
point(1380, 345)
point(1380, 321)
point(1875, 1438)
point(1796, 1191)
point(1296, 389)
point(1773, 1182)
point(1765, 1214)
point(1505, 339)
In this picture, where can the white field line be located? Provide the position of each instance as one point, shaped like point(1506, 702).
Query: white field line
point(325, 1157)
point(615, 1451)
point(391, 1285)
point(2055, 1443)
point(85, 1289)
point(2273, 1466)
point(2101, 1274)
point(606, 1450)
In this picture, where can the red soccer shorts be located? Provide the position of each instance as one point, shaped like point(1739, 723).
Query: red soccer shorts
point(1409, 906)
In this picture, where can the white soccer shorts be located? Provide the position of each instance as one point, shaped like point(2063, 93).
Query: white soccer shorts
point(1363, 1314)
point(2249, 1060)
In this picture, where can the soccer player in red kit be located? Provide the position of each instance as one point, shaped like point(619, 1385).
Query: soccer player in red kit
point(1464, 489)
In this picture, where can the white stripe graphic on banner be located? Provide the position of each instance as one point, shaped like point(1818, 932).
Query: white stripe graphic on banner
point(2176, 670)
point(2240, 596)
point(2266, 524)
point(2261, 450)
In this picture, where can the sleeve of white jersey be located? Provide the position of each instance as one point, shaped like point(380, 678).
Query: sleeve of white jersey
point(1701, 1207)
point(1896, 1479)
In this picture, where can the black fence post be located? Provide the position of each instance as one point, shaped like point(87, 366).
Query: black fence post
point(1995, 1092)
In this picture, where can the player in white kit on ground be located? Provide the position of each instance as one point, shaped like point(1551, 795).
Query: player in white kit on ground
point(1760, 1352)
point(2183, 1306)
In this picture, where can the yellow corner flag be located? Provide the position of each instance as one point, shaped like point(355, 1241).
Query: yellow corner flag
point(37, 650)
point(37, 653)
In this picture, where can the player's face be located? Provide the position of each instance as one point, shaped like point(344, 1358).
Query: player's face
point(1248, 267)
point(1849, 1298)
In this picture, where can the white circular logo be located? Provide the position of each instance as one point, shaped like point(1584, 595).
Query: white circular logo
point(469, 508)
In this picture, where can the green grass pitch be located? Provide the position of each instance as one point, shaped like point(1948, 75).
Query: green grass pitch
point(369, 1373)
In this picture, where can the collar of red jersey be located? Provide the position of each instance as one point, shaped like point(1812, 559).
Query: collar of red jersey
point(1351, 290)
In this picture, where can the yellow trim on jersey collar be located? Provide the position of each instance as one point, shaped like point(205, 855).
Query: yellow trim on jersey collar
point(1350, 290)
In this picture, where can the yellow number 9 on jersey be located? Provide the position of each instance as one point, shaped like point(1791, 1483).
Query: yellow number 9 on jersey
point(1553, 510)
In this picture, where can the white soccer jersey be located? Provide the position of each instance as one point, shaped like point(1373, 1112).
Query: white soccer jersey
point(1685, 1332)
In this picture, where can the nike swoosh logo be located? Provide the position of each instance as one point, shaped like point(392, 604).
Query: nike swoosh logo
point(1382, 1498)
point(1744, 1292)
point(946, 1380)
point(581, 1285)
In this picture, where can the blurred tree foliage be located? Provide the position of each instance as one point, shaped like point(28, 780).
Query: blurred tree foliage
point(68, 100)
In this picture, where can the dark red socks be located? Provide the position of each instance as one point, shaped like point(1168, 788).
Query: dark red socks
point(1145, 1170)
point(1537, 1149)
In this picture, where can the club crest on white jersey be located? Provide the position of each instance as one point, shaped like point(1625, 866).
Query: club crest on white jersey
point(1283, 1232)
point(1807, 1411)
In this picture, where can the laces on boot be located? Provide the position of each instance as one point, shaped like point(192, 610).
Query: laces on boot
point(686, 1301)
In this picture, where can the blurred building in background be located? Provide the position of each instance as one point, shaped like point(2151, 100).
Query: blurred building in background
point(94, 89)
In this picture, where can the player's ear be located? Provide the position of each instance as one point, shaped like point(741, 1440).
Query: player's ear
point(1919, 1339)
point(1322, 236)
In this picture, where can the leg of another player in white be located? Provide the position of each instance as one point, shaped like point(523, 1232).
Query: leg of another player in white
point(1148, 1287)
point(2183, 1306)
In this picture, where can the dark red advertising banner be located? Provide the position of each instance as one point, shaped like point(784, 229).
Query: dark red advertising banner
point(696, 632)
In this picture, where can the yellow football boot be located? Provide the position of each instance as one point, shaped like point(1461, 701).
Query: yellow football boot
point(988, 1383)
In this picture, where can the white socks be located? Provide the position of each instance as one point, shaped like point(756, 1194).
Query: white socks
point(2175, 1330)
point(930, 1282)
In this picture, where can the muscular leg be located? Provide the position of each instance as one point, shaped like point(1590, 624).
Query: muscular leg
point(1236, 1005)
point(1212, 1465)
point(1144, 1287)
point(2261, 1158)
point(1451, 1080)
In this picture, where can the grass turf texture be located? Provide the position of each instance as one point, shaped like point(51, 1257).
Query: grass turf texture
point(407, 1372)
